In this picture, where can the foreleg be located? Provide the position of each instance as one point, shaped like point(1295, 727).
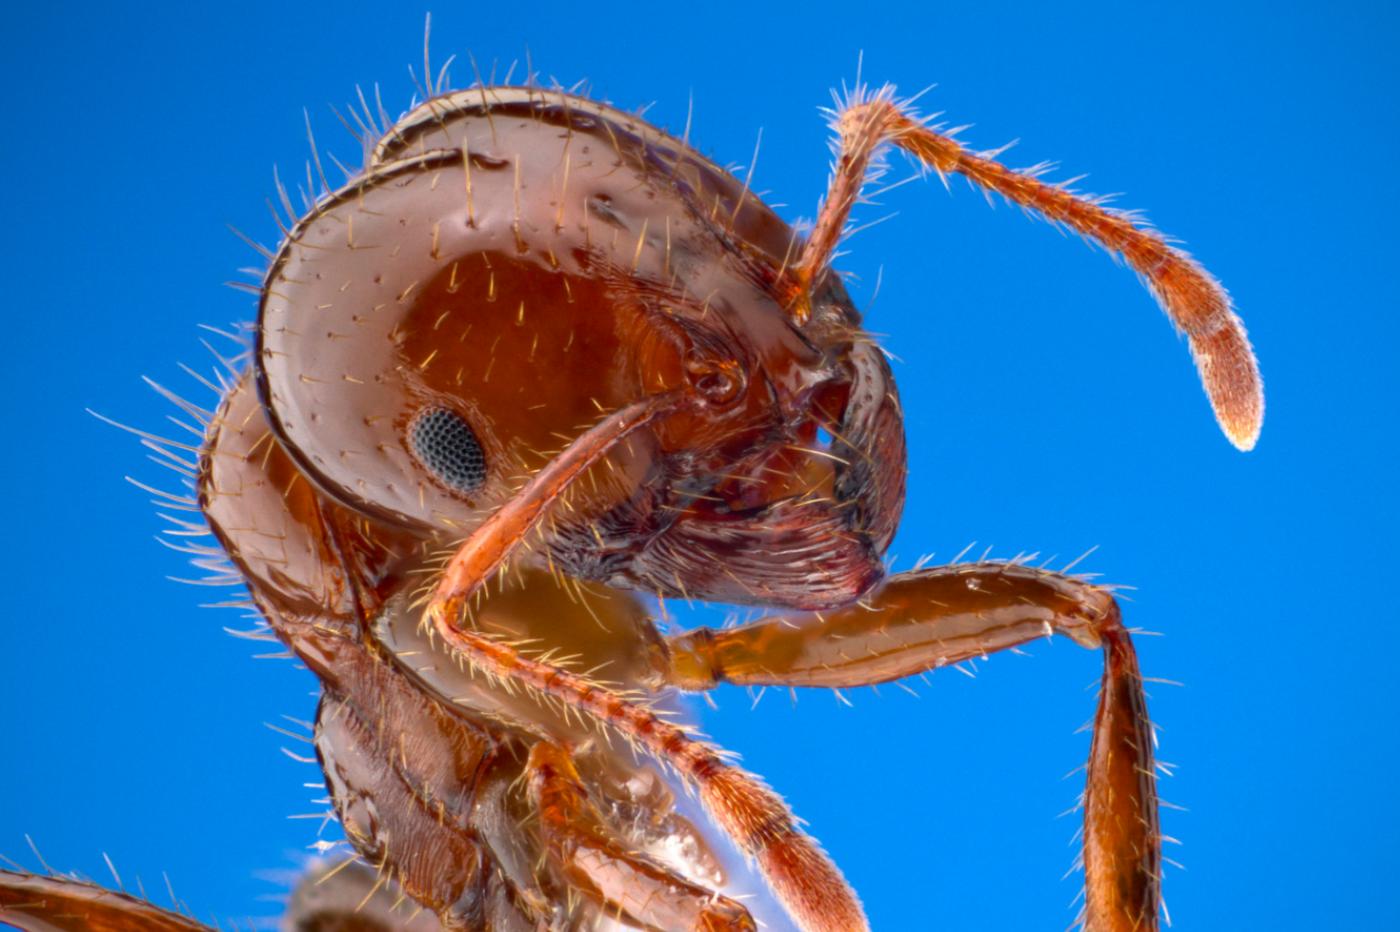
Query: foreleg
point(924, 620)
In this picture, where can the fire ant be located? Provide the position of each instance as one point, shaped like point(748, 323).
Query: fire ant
point(537, 360)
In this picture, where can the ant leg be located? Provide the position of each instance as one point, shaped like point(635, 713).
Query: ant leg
point(809, 885)
point(50, 903)
point(1193, 300)
point(491, 545)
point(926, 619)
point(593, 860)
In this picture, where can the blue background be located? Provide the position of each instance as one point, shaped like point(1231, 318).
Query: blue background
point(1049, 408)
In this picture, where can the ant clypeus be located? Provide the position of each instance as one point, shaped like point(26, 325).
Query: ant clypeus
point(537, 360)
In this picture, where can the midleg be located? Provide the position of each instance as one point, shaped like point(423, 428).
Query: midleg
point(923, 620)
point(594, 860)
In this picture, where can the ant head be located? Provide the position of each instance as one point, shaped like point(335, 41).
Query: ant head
point(513, 265)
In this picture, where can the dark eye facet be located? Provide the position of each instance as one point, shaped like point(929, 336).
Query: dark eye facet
point(445, 443)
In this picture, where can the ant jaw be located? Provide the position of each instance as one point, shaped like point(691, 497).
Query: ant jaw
point(792, 554)
point(801, 519)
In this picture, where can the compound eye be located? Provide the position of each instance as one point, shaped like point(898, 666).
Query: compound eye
point(446, 445)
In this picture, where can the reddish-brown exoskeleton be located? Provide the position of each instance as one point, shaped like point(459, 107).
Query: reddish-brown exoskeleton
point(539, 359)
